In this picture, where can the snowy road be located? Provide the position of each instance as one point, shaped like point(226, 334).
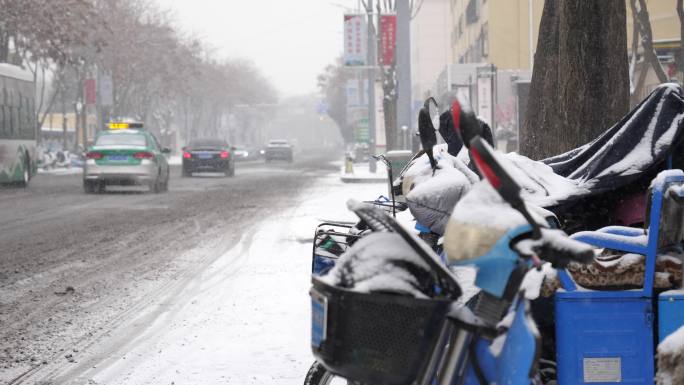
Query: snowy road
point(232, 308)
point(245, 318)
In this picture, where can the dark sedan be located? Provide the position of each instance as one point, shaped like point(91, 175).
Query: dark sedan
point(212, 155)
point(278, 149)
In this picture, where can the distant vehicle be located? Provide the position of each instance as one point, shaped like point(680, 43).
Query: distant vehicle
point(126, 155)
point(278, 149)
point(18, 156)
point(208, 155)
point(243, 153)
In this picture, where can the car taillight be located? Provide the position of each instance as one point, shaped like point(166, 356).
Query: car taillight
point(94, 155)
point(224, 154)
point(187, 155)
point(143, 155)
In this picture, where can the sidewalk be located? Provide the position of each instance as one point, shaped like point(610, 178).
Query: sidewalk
point(361, 174)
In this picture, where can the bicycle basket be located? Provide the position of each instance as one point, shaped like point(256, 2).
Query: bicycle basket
point(331, 240)
point(375, 338)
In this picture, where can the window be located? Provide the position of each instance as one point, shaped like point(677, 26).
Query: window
point(137, 140)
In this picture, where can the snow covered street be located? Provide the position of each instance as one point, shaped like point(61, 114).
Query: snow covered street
point(245, 318)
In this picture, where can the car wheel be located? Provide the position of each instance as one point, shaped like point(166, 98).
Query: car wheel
point(89, 187)
point(156, 185)
point(25, 173)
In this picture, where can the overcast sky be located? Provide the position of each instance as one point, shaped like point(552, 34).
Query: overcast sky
point(291, 41)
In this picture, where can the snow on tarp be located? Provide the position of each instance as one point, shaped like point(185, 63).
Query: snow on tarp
point(638, 142)
point(671, 359)
point(633, 147)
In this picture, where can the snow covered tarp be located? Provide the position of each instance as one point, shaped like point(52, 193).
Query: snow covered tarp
point(638, 142)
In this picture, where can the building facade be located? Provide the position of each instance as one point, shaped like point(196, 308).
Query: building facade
point(430, 46)
point(498, 32)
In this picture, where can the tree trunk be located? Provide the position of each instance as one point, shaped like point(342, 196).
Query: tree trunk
point(680, 13)
point(389, 105)
point(580, 82)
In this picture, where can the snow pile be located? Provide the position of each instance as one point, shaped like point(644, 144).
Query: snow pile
point(419, 170)
point(670, 359)
point(431, 196)
point(382, 262)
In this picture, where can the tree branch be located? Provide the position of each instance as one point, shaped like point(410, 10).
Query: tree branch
point(647, 41)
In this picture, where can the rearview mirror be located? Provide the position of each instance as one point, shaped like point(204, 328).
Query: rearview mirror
point(433, 112)
point(465, 122)
point(426, 131)
point(503, 183)
point(166, 150)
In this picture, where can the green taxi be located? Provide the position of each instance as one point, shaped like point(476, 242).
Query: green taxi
point(126, 155)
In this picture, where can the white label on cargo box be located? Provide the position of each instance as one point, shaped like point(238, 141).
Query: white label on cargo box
point(604, 369)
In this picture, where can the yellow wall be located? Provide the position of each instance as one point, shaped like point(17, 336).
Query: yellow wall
point(507, 23)
point(508, 28)
point(664, 20)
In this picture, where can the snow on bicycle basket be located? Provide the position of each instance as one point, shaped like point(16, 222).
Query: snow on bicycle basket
point(375, 318)
point(382, 262)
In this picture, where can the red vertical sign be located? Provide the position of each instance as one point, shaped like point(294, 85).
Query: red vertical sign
point(90, 91)
point(388, 39)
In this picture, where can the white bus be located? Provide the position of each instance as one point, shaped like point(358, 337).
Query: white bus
point(17, 125)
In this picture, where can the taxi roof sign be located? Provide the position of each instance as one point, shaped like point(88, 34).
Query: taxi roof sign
point(124, 126)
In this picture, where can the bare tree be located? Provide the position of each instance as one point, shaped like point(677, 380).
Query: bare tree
point(642, 36)
point(158, 75)
point(332, 83)
point(644, 26)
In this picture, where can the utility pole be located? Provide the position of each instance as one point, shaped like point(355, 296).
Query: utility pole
point(404, 66)
point(371, 86)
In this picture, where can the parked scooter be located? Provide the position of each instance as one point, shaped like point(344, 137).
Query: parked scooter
point(58, 159)
point(380, 337)
point(666, 97)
